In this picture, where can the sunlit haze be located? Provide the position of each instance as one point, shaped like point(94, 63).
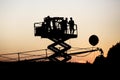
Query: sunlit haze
point(99, 17)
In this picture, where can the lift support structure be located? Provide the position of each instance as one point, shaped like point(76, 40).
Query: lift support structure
point(51, 28)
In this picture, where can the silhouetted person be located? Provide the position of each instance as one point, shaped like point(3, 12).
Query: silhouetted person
point(48, 23)
point(71, 24)
point(43, 25)
point(64, 25)
point(54, 24)
point(66, 22)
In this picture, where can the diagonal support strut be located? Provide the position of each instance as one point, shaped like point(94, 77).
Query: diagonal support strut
point(59, 52)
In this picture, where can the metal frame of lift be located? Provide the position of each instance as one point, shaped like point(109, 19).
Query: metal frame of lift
point(58, 38)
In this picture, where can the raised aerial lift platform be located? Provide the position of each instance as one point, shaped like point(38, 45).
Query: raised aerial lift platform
point(53, 29)
point(58, 30)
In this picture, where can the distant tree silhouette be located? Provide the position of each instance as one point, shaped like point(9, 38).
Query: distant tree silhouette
point(100, 60)
point(113, 56)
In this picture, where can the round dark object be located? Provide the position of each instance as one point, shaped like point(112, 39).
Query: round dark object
point(93, 40)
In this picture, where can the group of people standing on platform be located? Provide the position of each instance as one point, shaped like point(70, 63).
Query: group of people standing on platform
point(59, 23)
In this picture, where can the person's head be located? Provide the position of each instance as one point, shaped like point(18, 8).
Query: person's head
point(70, 18)
point(48, 16)
point(66, 18)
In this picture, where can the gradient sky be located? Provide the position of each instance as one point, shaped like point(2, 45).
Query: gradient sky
point(100, 17)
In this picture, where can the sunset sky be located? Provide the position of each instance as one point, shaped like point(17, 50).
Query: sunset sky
point(99, 17)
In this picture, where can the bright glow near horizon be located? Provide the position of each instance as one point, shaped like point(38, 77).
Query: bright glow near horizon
point(100, 17)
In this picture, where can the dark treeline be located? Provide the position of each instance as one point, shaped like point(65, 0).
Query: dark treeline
point(112, 56)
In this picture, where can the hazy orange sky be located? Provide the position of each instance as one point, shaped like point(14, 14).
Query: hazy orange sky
point(100, 17)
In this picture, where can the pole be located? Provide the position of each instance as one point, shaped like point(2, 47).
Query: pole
point(18, 57)
point(46, 52)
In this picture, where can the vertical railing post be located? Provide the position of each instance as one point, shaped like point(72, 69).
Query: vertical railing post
point(46, 52)
point(18, 57)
